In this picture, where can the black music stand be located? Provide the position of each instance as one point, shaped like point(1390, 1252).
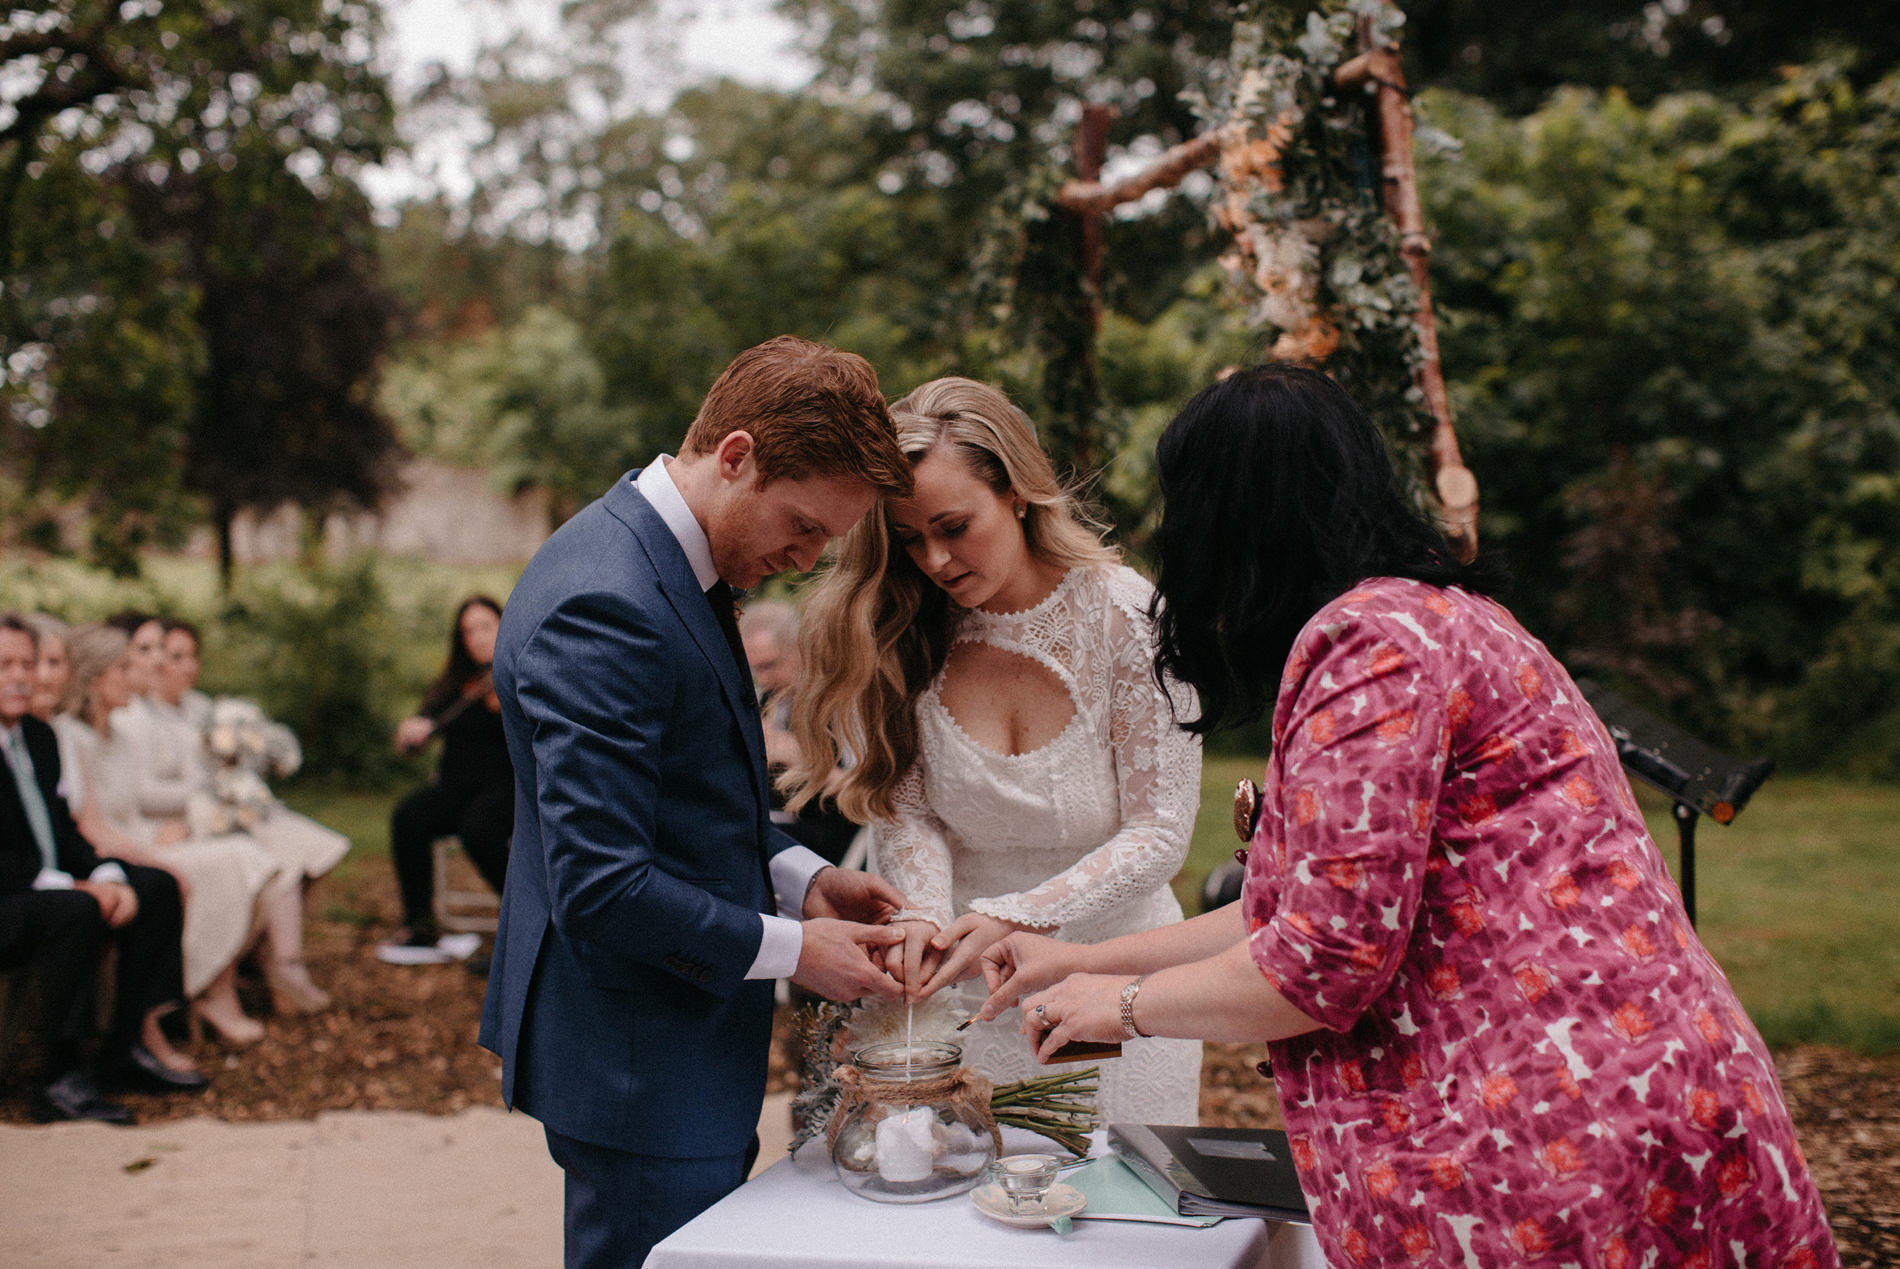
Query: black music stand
point(1697, 778)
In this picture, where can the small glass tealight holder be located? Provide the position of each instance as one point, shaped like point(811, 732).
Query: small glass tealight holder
point(1025, 1180)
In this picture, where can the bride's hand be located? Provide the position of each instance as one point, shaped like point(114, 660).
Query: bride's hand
point(913, 962)
point(961, 944)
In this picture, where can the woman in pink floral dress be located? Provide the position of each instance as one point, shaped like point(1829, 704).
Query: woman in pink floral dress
point(1496, 1038)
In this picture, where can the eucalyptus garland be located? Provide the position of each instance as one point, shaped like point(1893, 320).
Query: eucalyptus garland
point(1319, 206)
point(1029, 281)
point(1276, 93)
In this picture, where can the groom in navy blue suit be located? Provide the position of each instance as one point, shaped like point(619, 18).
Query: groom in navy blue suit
point(630, 991)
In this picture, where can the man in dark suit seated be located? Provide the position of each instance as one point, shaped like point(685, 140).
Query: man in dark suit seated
point(60, 903)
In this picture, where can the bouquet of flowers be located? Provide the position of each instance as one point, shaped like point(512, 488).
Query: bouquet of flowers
point(243, 746)
point(1059, 1106)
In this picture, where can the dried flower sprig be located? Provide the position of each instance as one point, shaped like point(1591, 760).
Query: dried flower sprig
point(818, 1027)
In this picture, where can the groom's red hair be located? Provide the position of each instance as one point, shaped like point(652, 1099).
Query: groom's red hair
point(811, 410)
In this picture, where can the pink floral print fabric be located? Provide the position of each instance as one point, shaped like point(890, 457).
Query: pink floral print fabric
point(1527, 1056)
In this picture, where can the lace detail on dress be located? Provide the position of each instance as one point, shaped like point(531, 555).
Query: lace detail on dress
point(1067, 835)
point(913, 855)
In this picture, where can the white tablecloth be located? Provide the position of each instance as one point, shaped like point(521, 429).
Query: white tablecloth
point(797, 1212)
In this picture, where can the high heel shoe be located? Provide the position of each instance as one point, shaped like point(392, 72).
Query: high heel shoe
point(234, 1029)
point(291, 990)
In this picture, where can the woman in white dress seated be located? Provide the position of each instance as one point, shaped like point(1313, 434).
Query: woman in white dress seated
point(169, 756)
point(222, 878)
point(987, 664)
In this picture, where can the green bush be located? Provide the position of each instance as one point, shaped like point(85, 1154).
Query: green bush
point(315, 650)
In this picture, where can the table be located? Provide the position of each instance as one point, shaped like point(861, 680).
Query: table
point(797, 1212)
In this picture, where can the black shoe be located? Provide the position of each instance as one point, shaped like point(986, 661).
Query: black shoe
point(143, 1072)
point(72, 1096)
point(477, 965)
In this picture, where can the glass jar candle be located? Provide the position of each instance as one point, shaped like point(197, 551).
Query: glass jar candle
point(912, 1123)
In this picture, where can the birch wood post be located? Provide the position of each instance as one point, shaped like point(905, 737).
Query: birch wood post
point(1378, 65)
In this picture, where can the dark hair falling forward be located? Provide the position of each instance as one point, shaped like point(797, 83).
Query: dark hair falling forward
point(461, 668)
point(1279, 497)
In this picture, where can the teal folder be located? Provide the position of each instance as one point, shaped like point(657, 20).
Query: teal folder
point(1115, 1193)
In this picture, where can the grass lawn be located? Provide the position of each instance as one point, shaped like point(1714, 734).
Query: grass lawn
point(1798, 899)
point(364, 819)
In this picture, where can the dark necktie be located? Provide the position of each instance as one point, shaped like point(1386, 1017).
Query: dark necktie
point(726, 608)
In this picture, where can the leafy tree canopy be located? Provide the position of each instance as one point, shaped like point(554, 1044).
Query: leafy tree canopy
point(1671, 333)
point(189, 303)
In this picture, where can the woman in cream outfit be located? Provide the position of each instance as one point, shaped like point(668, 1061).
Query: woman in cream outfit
point(168, 754)
point(222, 877)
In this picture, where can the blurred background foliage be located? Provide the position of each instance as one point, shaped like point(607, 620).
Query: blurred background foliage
point(1664, 237)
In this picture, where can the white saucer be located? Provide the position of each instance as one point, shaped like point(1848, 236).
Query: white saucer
point(1062, 1200)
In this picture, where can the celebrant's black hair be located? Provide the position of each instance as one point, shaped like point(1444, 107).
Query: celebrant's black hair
point(1279, 497)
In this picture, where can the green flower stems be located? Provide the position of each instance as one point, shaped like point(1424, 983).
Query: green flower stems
point(1060, 1107)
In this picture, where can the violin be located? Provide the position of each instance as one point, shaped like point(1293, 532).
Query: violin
point(479, 688)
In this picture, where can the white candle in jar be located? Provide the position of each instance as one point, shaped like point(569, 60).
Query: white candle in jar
point(904, 1145)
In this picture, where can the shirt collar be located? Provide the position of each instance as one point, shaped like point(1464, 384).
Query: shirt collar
point(657, 487)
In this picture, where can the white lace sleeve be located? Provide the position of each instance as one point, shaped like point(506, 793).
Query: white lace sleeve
point(1158, 773)
point(914, 855)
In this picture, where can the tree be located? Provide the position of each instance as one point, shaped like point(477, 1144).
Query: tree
point(1672, 341)
point(185, 256)
point(1647, 48)
point(527, 401)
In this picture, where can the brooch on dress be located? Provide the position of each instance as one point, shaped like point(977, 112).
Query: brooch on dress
point(1246, 814)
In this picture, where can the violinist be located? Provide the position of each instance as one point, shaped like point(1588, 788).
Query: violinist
point(473, 794)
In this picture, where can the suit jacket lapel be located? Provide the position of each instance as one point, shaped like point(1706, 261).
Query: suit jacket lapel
point(682, 591)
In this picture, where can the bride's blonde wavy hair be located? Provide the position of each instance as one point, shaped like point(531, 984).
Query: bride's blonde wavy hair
point(876, 630)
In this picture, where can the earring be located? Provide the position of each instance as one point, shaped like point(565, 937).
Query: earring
point(1022, 509)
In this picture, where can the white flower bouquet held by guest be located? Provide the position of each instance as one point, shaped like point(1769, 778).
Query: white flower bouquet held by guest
point(244, 747)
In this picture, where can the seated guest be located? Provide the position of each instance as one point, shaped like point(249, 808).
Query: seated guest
point(60, 904)
point(182, 658)
point(1496, 1038)
point(768, 629)
point(473, 794)
point(223, 876)
point(168, 751)
point(49, 682)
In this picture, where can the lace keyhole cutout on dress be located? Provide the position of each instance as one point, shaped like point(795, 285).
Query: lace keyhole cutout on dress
point(1006, 702)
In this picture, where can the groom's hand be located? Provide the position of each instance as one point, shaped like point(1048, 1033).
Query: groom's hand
point(851, 895)
point(836, 959)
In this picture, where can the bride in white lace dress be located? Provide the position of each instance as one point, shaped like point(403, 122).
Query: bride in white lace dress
point(992, 682)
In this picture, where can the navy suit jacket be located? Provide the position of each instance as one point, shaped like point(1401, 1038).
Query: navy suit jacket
point(19, 852)
point(617, 996)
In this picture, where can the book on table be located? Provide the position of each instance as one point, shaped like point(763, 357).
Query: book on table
point(1214, 1171)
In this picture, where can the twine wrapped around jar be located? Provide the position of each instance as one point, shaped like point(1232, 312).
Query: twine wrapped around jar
point(963, 1088)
